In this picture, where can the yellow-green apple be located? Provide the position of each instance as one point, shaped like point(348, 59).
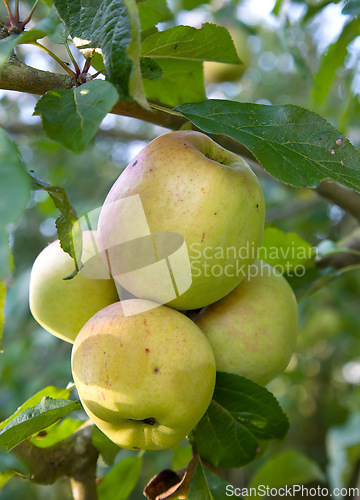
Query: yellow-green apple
point(215, 72)
point(253, 330)
point(182, 222)
point(144, 378)
point(62, 306)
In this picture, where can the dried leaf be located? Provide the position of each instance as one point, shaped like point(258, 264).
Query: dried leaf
point(169, 484)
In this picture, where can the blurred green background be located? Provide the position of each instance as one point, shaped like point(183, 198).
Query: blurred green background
point(283, 47)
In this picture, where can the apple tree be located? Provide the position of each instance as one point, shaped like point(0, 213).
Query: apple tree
point(85, 85)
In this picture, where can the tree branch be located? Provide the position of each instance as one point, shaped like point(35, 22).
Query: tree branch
point(74, 457)
point(16, 75)
point(345, 198)
point(344, 259)
point(84, 488)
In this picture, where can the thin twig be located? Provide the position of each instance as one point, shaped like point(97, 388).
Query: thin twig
point(76, 66)
point(12, 20)
point(31, 13)
point(87, 65)
point(17, 14)
point(55, 57)
point(97, 73)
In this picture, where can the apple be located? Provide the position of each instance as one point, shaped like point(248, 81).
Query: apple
point(215, 72)
point(182, 222)
point(145, 378)
point(253, 330)
point(61, 306)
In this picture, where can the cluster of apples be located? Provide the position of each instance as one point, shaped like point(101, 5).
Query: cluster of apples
point(144, 371)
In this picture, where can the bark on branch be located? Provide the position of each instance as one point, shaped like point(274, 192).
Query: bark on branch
point(345, 259)
point(75, 457)
point(16, 75)
point(345, 198)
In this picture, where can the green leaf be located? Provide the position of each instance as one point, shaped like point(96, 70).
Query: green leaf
point(181, 81)
point(83, 18)
point(10, 462)
point(50, 391)
point(206, 485)
point(14, 182)
point(66, 220)
point(113, 26)
point(72, 116)
point(60, 34)
point(49, 3)
point(186, 42)
point(2, 304)
point(352, 7)
point(121, 480)
point(35, 419)
point(332, 59)
point(286, 469)
point(9, 466)
point(6, 47)
point(44, 27)
point(182, 457)
point(102, 443)
point(14, 196)
point(150, 69)
point(180, 52)
point(5, 476)
point(287, 250)
point(277, 7)
point(240, 414)
point(97, 61)
point(6, 260)
point(122, 53)
point(192, 4)
point(295, 145)
point(152, 12)
point(56, 433)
